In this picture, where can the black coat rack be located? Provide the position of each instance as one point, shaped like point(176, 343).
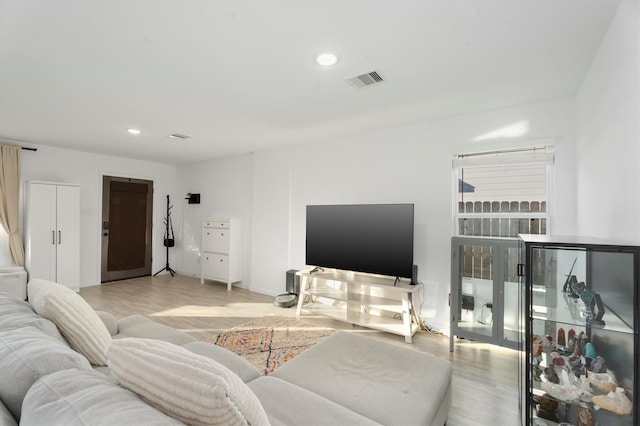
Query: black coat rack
point(169, 240)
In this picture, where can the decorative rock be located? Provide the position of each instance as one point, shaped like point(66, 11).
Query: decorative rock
point(551, 375)
point(536, 346)
point(598, 365)
point(575, 361)
point(616, 402)
point(537, 371)
point(590, 350)
point(578, 288)
point(561, 339)
point(585, 417)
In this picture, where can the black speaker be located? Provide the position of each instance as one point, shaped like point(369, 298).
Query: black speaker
point(468, 302)
point(293, 282)
point(414, 275)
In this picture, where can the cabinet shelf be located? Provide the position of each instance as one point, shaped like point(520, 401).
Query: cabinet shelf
point(390, 325)
point(328, 293)
point(573, 311)
point(378, 303)
point(366, 300)
point(326, 310)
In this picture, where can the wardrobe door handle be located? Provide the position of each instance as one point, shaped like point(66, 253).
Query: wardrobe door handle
point(53, 237)
point(59, 237)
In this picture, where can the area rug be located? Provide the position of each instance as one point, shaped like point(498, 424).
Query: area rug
point(270, 341)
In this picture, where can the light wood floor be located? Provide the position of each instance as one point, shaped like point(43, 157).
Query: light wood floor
point(485, 377)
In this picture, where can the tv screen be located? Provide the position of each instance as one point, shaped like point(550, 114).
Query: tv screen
point(372, 238)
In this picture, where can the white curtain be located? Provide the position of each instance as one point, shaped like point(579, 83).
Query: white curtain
point(10, 198)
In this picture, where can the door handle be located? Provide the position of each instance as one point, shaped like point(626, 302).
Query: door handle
point(59, 237)
point(53, 237)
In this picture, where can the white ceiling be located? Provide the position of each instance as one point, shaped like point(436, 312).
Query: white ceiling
point(240, 76)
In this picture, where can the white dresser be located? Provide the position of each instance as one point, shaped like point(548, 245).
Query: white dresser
point(221, 258)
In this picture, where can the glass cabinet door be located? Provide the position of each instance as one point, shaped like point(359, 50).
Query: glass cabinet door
point(513, 299)
point(581, 360)
point(486, 295)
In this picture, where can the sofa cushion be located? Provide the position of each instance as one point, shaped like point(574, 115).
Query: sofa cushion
point(16, 313)
point(83, 397)
point(186, 386)
point(6, 419)
point(379, 380)
point(234, 362)
point(26, 354)
point(143, 327)
point(284, 403)
point(78, 322)
point(109, 321)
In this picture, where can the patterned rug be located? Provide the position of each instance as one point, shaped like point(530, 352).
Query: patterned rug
point(270, 341)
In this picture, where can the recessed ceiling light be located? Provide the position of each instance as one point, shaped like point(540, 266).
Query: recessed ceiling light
point(327, 59)
point(134, 131)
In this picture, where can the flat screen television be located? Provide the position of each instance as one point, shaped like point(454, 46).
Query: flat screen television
point(371, 238)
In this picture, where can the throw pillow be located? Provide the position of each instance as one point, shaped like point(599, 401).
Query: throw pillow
point(189, 387)
point(26, 354)
point(77, 321)
point(85, 397)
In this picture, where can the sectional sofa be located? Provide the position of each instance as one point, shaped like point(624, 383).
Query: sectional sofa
point(62, 363)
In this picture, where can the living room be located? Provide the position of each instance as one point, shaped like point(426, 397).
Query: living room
point(594, 131)
point(269, 189)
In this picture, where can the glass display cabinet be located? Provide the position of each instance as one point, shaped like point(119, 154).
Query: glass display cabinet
point(580, 362)
point(486, 297)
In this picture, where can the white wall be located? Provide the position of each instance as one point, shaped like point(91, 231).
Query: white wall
point(270, 190)
point(86, 170)
point(413, 164)
point(608, 134)
point(271, 242)
point(226, 190)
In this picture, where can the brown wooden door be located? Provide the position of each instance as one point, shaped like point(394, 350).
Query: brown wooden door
point(127, 207)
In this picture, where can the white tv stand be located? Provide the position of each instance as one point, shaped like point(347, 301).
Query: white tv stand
point(372, 301)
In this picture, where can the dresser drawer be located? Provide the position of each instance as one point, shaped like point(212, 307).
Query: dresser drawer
point(215, 266)
point(215, 240)
point(223, 224)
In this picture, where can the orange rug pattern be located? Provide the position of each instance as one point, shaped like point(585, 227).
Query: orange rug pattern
point(270, 341)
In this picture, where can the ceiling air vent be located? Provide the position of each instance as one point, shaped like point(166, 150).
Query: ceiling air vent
point(364, 80)
point(178, 136)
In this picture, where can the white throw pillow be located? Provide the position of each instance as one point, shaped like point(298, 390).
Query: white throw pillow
point(77, 321)
point(191, 388)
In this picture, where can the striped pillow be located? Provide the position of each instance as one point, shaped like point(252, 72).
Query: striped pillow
point(76, 320)
point(191, 388)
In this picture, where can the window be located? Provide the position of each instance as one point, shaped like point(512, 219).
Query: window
point(503, 193)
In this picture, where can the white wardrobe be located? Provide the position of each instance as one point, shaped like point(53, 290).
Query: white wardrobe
point(52, 232)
